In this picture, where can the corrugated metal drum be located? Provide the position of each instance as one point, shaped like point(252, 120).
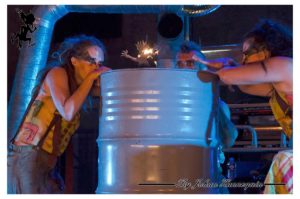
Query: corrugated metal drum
point(157, 130)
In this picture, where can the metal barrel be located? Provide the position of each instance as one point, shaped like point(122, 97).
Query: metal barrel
point(157, 131)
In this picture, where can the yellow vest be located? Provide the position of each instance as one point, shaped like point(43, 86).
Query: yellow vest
point(285, 121)
point(36, 123)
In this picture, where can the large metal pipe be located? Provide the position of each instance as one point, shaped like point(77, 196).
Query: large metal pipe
point(157, 127)
point(32, 59)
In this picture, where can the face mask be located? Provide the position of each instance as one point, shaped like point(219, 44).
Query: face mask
point(255, 56)
point(255, 52)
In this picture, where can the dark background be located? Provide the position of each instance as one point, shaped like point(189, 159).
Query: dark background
point(226, 25)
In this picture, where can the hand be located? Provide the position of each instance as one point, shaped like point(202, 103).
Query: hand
point(210, 63)
point(141, 45)
point(124, 53)
point(96, 73)
point(103, 69)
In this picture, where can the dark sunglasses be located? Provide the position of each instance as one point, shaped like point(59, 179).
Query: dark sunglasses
point(91, 60)
point(253, 49)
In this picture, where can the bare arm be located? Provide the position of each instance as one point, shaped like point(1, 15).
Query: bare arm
point(217, 63)
point(66, 104)
point(279, 69)
point(126, 55)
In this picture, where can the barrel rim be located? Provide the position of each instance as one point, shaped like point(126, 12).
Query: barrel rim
point(153, 69)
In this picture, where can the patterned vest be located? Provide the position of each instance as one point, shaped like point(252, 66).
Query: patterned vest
point(35, 129)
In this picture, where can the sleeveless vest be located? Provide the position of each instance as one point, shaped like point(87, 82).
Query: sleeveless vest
point(44, 127)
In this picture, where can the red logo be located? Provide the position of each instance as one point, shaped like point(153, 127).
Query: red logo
point(32, 128)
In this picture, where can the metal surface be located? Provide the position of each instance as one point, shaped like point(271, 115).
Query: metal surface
point(157, 127)
point(255, 150)
point(251, 146)
point(233, 51)
point(268, 128)
point(252, 131)
point(199, 10)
